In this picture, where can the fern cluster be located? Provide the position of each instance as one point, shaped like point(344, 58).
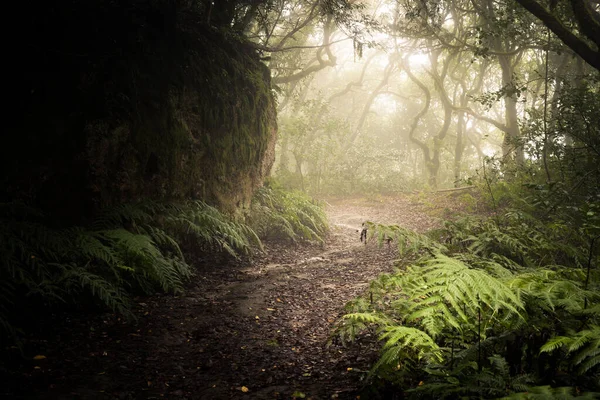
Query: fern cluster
point(488, 308)
point(409, 243)
point(128, 248)
point(280, 214)
point(201, 226)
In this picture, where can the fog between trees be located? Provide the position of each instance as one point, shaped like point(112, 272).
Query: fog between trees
point(397, 95)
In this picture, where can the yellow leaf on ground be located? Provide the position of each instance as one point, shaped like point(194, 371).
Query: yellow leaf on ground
point(39, 357)
point(244, 389)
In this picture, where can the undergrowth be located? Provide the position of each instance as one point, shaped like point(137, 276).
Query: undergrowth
point(506, 306)
point(132, 248)
point(279, 214)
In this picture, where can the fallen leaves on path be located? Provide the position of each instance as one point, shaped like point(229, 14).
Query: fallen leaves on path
point(258, 330)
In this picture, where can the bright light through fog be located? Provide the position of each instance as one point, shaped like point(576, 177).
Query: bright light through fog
point(490, 151)
point(418, 60)
point(385, 104)
point(448, 24)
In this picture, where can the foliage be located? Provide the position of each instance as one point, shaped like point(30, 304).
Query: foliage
point(547, 392)
point(408, 242)
point(372, 168)
point(126, 249)
point(202, 226)
point(489, 307)
point(314, 139)
point(277, 213)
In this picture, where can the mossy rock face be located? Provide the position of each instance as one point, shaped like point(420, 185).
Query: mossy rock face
point(115, 108)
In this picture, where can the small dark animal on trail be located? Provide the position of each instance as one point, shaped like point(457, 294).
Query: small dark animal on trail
point(363, 234)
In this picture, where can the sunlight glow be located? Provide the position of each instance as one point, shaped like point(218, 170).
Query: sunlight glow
point(490, 151)
point(419, 60)
point(448, 23)
point(385, 104)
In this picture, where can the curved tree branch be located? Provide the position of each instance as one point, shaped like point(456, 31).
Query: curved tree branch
point(578, 45)
point(413, 126)
point(358, 82)
point(384, 81)
point(330, 62)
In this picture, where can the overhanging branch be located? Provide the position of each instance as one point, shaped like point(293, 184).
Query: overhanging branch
point(579, 46)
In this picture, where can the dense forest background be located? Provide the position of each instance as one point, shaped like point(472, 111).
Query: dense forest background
point(146, 136)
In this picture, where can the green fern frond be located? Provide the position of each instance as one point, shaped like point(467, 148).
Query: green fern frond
point(586, 343)
point(555, 343)
point(366, 318)
point(550, 393)
point(407, 341)
point(590, 363)
point(210, 227)
point(554, 289)
point(351, 325)
point(408, 241)
point(448, 290)
point(279, 214)
point(111, 295)
point(126, 214)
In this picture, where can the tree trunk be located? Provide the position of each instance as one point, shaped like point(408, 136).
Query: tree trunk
point(512, 148)
point(459, 148)
point(284, 158)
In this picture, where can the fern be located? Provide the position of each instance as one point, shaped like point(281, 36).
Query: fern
point(549, 393)
point(467, 381)
point(353, 324)
point(128, 247)
point(517, 240)
point(75, 279)
point(583, 345)
point(552, 289)
point(402, 339)
point(408, 241)
point(491, 285)
point(209, 227)
point(290, 215)
point(447, 294)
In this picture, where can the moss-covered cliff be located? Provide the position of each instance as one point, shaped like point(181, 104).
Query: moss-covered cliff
point(118, 101)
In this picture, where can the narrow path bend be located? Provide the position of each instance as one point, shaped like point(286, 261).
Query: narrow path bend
point(256, 331)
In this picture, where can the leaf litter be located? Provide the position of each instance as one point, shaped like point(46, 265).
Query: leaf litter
point(242, 330)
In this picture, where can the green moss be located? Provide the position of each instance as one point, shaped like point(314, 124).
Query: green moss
point(236, 125)
point(215, 131)
point(188, 113)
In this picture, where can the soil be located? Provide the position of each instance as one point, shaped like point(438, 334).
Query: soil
point(259, 329)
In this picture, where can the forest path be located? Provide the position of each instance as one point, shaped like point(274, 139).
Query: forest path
point(257, 330)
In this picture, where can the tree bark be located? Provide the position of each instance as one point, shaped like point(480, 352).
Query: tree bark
point(587, 20)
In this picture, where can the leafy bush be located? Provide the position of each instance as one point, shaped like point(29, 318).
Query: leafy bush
point(488, 307)
point(129, 248)
point(281, 214)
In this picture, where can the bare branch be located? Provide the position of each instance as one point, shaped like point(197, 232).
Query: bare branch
point(278, 50)
point(580, 47)
point(322, 63)
point(384, 81)
point(413, 126)
point(354, 83)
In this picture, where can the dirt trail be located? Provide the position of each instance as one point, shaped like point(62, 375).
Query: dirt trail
point(253, 331)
